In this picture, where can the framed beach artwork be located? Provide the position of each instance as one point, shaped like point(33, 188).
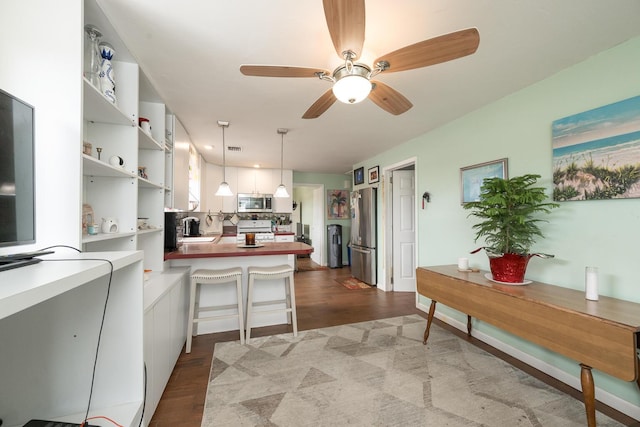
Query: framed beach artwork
point(472, 177)
point(596, 154)
point(337, 204)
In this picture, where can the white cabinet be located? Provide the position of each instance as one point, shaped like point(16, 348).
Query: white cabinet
point(181, 167)
point(165, 329)
point(246, 181)
point(255, 180)
point(228, 239)
point(50, 321)
point(285, 238)
point(137, 187)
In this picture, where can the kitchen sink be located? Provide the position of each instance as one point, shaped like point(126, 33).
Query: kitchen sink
point(202, 239)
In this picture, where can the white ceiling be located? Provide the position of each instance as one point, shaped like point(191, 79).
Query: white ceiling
point(192, 50)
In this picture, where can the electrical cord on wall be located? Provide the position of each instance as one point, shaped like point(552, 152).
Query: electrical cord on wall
point(104, 313)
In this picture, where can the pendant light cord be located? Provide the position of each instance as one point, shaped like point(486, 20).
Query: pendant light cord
point(281, 157)
point(224, 158)
point(282, 133)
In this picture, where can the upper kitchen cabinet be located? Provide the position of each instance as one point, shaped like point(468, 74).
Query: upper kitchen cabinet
point(245, 181)
point(181, 145)
point(256, 180)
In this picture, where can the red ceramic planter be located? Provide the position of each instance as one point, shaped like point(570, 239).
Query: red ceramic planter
point(509, 268)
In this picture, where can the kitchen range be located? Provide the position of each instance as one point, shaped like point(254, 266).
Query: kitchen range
point(260, 228)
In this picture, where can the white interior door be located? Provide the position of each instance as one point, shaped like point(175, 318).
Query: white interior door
point(404, 231)
point(316, 228)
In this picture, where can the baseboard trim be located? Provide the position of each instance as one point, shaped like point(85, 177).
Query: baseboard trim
point(603, 396)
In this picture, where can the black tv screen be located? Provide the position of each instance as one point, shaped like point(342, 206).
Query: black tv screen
point(17, 185)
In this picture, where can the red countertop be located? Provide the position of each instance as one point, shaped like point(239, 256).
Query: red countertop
point(219, 250)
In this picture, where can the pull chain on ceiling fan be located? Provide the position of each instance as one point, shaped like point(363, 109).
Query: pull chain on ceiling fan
point(352, 81)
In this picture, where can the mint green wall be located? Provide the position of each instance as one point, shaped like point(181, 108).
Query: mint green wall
point(597, 233)
point(304, 197)
point(330, 182)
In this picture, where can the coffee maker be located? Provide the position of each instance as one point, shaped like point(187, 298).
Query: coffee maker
point(191, 226)
point(173, 229)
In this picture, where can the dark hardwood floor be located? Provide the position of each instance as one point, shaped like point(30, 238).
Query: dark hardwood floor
point(321, 301)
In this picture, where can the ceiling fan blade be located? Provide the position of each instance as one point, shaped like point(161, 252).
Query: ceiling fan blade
point(433, 51)
point(389, 99)
point(280, 71)
point(320, 106)
point(346, 21)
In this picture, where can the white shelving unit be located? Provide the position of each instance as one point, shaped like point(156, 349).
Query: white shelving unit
point(50, 315)
point(140, 188)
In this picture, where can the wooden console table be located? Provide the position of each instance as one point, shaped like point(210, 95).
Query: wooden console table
point(600, 334)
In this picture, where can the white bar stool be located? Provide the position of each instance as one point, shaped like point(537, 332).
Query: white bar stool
point(213, 277)
point(270, 273)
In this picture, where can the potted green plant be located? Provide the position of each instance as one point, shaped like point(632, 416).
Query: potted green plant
point(509, 211)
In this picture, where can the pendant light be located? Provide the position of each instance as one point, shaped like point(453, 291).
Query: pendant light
point(224, 189)
point(281, 191)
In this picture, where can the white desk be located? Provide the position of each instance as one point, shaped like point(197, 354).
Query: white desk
point(50, 317)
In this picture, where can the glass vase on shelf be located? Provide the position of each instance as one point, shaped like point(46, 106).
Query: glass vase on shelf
point(92, 57)
point(107, 76)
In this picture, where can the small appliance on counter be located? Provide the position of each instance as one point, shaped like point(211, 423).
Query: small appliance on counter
point(173, 229)
point(191, 226)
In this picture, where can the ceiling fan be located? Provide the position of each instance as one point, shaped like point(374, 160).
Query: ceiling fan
point(352, 80)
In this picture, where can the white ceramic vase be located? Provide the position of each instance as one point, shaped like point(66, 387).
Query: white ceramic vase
point(107, 76)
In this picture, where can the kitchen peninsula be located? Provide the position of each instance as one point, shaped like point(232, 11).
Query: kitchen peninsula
point(224, 255)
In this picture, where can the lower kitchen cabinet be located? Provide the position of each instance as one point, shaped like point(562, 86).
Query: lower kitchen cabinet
point(285, 238)
point(166, 305)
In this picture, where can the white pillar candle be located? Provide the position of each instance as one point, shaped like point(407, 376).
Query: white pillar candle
point(463, 263)
point(591, 283)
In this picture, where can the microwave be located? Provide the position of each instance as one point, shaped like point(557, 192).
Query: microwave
point(255, 203)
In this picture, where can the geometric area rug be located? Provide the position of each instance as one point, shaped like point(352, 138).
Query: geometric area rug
point(378, 373)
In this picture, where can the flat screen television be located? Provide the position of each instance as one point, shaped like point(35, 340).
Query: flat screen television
point(17, 183)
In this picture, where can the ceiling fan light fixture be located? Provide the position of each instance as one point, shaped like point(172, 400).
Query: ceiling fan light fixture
point(352, 89)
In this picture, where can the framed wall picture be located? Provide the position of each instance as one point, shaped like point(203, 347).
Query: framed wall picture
point(374, 174)
point(358, 176)
point(596, 153)
point(338, 204)
point(471, 178)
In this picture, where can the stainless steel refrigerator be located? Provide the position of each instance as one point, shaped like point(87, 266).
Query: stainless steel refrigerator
point(363, 235)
